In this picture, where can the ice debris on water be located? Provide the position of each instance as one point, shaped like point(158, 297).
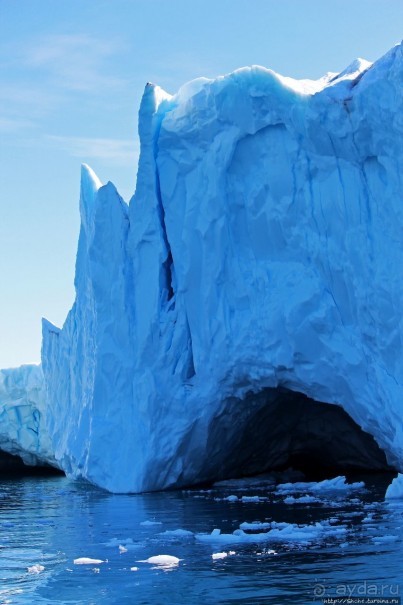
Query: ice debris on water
point(87, 561)
point(35, 569)
point(162, 561)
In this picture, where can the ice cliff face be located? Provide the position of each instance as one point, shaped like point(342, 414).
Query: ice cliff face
point(23, 416)
point(261, 254)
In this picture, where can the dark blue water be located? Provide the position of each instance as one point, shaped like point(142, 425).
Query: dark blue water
point(53, 521)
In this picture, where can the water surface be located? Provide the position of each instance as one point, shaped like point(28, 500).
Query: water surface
point(52, 521)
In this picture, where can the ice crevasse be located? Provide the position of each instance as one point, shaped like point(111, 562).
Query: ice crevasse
point(260, 257)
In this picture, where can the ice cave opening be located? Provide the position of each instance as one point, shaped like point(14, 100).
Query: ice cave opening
point(13, 466)
point(279, 429)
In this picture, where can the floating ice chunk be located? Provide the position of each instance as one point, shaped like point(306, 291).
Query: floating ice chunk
point(162, 561)
point(253, 499)
point(150, 523)
point(219, 555)
point(118, 542)
point(231, 498)
point(134, 569)
point(255, 525)
point(278, 532)
point(395, 489)
point(301, 500)
point(338, 484)
point(35, 569)
point(96, 570)
point(384, 539)
point(179, 533)
point(245, 483)
point(87, 561)
point(122, 549)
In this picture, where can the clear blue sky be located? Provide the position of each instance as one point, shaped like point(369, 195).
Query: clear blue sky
point(72, 75)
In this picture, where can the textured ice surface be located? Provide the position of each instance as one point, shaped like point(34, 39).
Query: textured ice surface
point(337, 484)
point(395, 489)
point(278, 532)
point(262, 249)
point(23, 415)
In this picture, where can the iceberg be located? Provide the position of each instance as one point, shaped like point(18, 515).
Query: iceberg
point(23, 430)
point(243, 312)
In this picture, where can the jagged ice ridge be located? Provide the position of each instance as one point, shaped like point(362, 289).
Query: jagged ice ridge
point(262, 250)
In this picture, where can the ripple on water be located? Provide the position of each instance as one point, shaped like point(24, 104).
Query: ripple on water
point(279, 550)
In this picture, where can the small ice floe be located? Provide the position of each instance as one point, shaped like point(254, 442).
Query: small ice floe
point(231, 498)
point(277, 532)
point(384, 539)
point(96, 570)
point(118, 542)
point(177, 533)
point(134, 569)
point(122, 549)
point(219, 555)
point(222, 555)
point(253, 499)
point(162, 561)
point(149, 523)
point(87, 561)
point(395, 489)
point(242, 484)
point(35, 569)
point(256, 525)
point(266, 551)
point(337, 484)
point(301, 500)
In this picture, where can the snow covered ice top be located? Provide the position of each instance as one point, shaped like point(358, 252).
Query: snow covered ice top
point(262, 249)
